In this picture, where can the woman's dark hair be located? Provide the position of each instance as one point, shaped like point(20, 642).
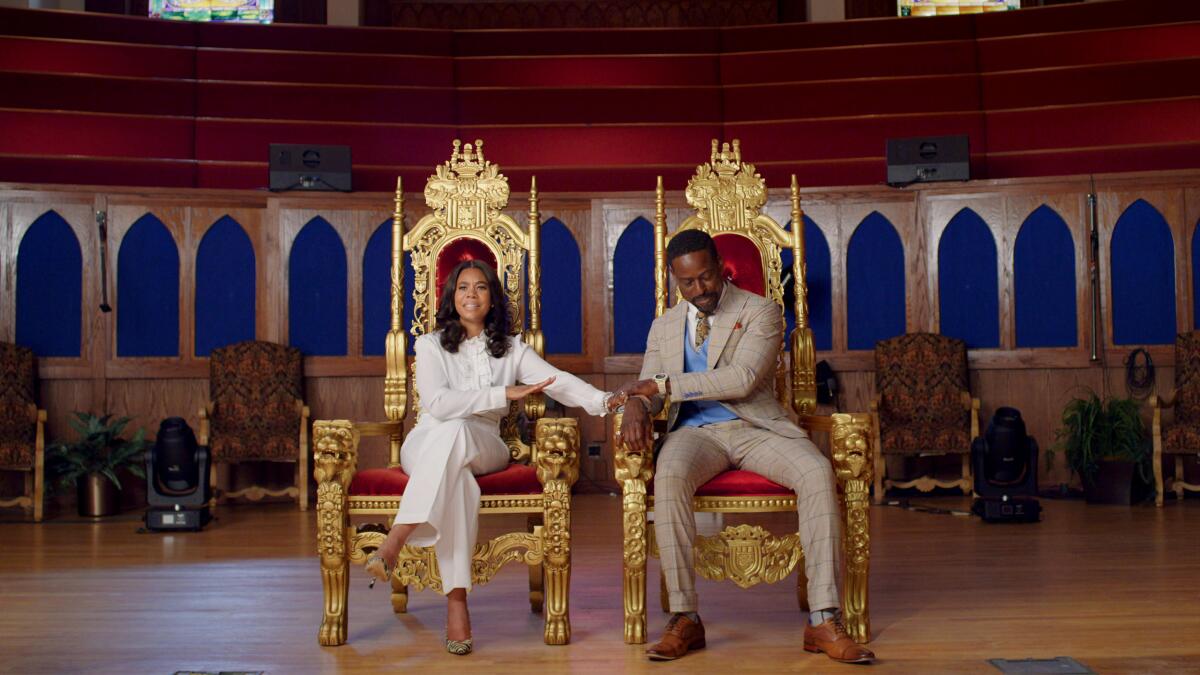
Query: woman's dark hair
point(495, 326)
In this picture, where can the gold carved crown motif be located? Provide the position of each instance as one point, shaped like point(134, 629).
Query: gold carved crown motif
point(467, 189)
point(726, 191)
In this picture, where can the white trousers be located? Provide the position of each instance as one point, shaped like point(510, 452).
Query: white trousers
point(442, 459)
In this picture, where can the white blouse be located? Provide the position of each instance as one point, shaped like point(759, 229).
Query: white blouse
point(471, 382)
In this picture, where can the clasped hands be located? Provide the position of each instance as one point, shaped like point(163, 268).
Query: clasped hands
point(636, 427)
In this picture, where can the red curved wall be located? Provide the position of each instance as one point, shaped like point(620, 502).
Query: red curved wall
point(1102, 87)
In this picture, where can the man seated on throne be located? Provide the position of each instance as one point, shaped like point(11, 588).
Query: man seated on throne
point(727, 417)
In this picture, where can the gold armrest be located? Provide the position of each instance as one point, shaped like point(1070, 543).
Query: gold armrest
point(556, 449)
point(630, 464)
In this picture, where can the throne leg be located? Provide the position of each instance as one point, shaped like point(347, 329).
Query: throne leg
point(557, 561)
point(852, 466)
point(636, 546)
point(399, 595)
point(336, 459)
point(536, 573)
point(968, 483)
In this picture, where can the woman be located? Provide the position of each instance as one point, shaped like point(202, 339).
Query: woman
point(467, 372)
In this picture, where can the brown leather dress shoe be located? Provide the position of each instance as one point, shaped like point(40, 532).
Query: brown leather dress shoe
point(832, 639)
point(682, 635)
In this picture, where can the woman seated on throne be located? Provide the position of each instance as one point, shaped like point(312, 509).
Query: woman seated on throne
point(468, 370)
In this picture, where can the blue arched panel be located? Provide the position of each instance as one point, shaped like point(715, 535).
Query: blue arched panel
point(1143, 278)
point(317, 291)
point(633, 287)
point(875, 300)
point(49, 288)
point(1196, 276)
point(820, 287)
point(1044, 279)
point(148, 291)
point(225, 275)
point(377, 292)
point(562, 290)
point(968, 290)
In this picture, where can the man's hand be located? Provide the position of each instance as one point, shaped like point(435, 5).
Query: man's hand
point(520, 391)
point(645, 388)
point(636, 426)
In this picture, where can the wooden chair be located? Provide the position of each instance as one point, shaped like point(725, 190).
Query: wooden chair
point(1180, 437)
point(256, 412)
point(466, 196)
point(22, 427)
point(728, 196)
point(923, 406)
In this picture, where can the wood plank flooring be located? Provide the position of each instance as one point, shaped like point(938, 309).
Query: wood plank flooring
point(1117, 588)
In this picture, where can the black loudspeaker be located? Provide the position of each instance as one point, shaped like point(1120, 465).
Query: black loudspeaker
point(310, 167)
point(927, 159)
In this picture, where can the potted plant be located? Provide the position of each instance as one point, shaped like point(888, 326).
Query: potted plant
point(93, 462)
point(1105, 444)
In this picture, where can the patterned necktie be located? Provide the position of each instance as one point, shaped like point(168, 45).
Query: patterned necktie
point(701, 328)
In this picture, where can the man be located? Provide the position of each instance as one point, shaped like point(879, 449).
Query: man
point(715, 356)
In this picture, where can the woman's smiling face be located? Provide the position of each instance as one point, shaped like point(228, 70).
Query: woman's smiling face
point(472, 297)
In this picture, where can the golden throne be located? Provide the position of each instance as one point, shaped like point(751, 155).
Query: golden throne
point(466, 196)
point(728, 197)
point(22, 426)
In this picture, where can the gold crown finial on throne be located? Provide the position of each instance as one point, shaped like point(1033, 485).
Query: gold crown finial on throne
point(725, 191)
point(468, 180)
point(727, 162)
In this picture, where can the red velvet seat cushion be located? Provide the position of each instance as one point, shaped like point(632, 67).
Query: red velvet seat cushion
point(737, 483)
point(516, 479)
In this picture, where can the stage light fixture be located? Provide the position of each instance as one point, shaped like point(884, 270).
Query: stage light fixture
point(177, 486)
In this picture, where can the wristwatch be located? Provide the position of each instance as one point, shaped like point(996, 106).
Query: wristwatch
point(660, 379)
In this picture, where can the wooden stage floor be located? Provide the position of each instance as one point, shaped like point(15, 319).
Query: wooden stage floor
point(1116, 588)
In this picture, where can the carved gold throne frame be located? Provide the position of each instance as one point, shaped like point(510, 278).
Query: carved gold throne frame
point(728, 196)
point(466, 196)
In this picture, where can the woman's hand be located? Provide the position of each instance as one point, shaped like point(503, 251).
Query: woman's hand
point(520, 391)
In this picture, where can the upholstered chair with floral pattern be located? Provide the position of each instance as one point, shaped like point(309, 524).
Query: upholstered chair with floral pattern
point(257, 413)
point(923, 407)
point(1181, 436)
point(22, 426)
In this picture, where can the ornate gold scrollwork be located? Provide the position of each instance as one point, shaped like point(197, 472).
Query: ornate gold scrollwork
point(851, 453)
point(747, 555)
point(556, 457)
point(633, 470)
point(335, 453)
point(418, 567)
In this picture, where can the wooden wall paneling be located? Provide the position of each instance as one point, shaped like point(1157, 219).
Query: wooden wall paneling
point(271, 305)
point(123, 212)
point(938, 211)
point(1071, 205)
point(350, 398)
point(76, 209)
point(1111, 205)
point(1191, 217)
point(8, 272)
point(901, 208)
point(149, 401)
point(369, 219)
point(292, 219)
point(615, 216)
point(61, 399)
point(202, 219)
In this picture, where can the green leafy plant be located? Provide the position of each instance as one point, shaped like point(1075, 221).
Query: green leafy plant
point(99, 449)
point(1093, 430)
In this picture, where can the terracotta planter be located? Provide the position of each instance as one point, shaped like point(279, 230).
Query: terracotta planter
point(1112, 484)
point(98, 496)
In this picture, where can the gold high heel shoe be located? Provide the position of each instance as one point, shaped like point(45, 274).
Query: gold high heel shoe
point(459, 647)
point(378, 568)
